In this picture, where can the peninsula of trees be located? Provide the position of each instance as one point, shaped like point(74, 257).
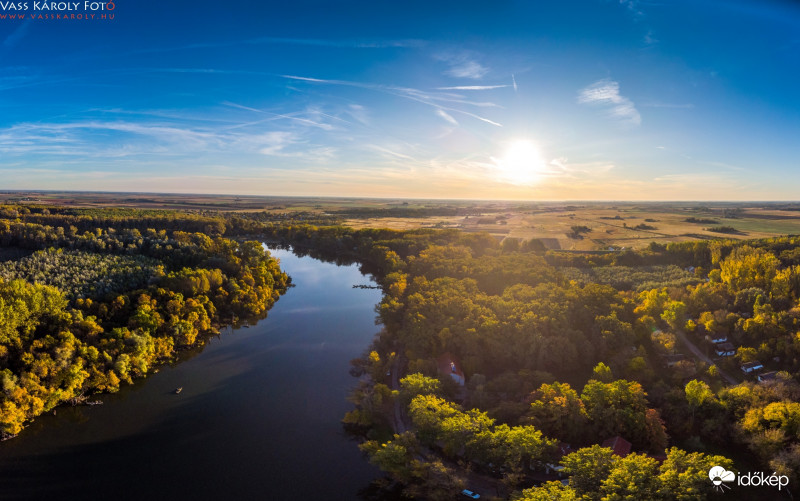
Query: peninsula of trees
point(93, 299)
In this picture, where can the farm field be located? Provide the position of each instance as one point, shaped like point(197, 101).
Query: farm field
point(605, 225)
point(615, 226)
point(618, 226)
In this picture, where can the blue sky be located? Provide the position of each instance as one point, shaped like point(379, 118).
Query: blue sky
point(593, 100)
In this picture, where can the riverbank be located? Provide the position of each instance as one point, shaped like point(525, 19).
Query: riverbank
point(262, 405)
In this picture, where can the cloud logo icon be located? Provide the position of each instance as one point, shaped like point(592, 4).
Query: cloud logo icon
point(718, 474)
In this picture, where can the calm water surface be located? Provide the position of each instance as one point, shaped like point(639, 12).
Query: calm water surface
point(258, 417)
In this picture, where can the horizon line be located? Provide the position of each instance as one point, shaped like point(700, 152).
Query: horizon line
point(342, 197)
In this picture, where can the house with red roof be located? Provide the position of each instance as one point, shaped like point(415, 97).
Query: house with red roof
point(618, 445)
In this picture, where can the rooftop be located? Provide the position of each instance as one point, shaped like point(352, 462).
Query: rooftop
point(618, 445)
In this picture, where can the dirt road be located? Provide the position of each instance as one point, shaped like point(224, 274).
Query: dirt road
point(702, 356)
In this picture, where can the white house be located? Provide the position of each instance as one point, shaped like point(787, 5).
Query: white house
point(725, 350)
point(751, 367)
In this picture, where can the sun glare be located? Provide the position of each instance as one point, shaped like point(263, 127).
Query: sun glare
point(521, 164)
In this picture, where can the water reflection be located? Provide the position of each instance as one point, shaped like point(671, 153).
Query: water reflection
point(258, 417)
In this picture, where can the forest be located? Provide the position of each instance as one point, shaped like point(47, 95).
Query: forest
point(555, 364)
point(91, 302)
point(498, 363)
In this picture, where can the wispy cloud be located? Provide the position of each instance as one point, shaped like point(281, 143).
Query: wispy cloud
point(312, 42)
point(391, 153)
point(636, 10)
point(473, 87)
point(17, 35)
point(345, 44)
point(446, 97)
point(514, 82)
point(694, 185)
point(447, 117)
point(276, 142)
point(117, 139)
point(405, 92)
point(286, 116)
point(462, 65)
point(605, 93)
point(633, 7)
point(656, 104)
point(583, 170)
point(724, 165)
point(359, 113)
point(432, 99)
point(177, 115)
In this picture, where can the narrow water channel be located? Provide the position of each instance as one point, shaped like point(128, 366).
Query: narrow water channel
point(258, 417)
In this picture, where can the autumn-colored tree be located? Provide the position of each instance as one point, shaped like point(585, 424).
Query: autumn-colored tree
point(559, 412)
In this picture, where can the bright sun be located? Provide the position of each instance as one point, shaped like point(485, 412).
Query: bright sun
point(521, 164)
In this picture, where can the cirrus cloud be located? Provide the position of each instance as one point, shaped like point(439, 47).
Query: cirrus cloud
point(605, 93)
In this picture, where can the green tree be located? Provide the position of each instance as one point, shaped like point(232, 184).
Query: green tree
point(697, 393)
point(602, 372)
point(588, 468)
point(617, 408)
point(393, 457)
point(632, 478)
point(748, 267)
point(783, 415)
point(684, 476)
point(558, 411)
point(674, 314)
point(418, 384)
point(549, 491)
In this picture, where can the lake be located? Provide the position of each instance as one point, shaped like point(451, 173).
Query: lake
point(258, 417)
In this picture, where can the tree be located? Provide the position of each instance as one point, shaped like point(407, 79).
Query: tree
point(602, 373)
point(617, 408)
point(674, 314)
point(656, 432)
point(588, 468)
point(429, 415)
point(558, 411)
point(549, 491)
point(615, 333)
point(458, 432)
point(513, 447)
point(697, 393)
point(24, 306)
point(434, 481)
point(783, 415)
point(664, 341)
point(631, 478)
point(652, 302)
point(510, 245)
point(393, 457)
point(746, 354)
point(787, 462)
point(748, 267)
point(418, 384)
point(684, 476)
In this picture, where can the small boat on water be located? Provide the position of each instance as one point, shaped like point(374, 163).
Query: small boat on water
point(178, 390)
